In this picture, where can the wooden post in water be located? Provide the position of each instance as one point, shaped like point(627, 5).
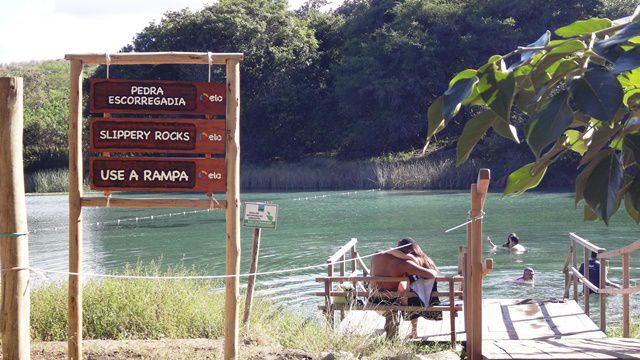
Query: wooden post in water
point(479, 192)
point(233, 210)
point(74, 306)
point(255, 253)
point(14, 242)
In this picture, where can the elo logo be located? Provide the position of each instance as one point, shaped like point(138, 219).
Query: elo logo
point(204, 97)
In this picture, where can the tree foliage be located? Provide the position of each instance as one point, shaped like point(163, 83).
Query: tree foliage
point(580, 91)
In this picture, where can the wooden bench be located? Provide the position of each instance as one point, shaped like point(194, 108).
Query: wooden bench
point(355, 299)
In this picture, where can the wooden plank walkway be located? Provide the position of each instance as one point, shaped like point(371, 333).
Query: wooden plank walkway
point(516, 329)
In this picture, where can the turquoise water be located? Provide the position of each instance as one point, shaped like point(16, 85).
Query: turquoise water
point(311, 226)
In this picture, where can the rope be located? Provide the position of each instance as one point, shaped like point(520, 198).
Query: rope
point(194, 277)
point(467, 222)
point(14, 234)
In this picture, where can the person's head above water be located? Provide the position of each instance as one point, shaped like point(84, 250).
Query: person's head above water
point(410, 246)
point(528, 273)
point(513, 239)
point(594, 255)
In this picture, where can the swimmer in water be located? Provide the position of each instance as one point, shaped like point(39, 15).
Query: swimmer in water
point(527, 276)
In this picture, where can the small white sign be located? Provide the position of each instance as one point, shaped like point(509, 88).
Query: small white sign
point(260, 215)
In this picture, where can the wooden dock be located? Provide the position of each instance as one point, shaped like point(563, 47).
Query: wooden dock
point(516, 329)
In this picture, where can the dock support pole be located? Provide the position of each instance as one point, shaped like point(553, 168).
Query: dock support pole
point(479, 192)
point(255, 254)
point(233, 210)
point(74, 309)
point(14, 242)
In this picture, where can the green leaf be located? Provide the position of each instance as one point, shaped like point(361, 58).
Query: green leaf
point(464, 74)
point(562, 67)
point(598, 94)
point(473, 131)
point(632, 144)
point(568, 47)
point(581, 179)
point(550, 121)
point(457, 93)
point(627, 61)
point(589, 214)
point(632, 211)
point(627, 32)
point(523, 179)
point(630, 80)
point(435, 120)
point(601, 189)
point(497, 89)
point(506, 130)
point(583, 27)
point(575, 141)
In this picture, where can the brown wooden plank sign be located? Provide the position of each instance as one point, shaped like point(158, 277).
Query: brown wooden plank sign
point(205, 136)
point(157, 97)
point(158, 174)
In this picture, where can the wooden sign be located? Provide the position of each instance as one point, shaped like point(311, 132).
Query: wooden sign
point(157, 97)
point(205, 136)
point(158, 174)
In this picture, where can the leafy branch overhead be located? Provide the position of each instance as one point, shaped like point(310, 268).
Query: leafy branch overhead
point(580, 90)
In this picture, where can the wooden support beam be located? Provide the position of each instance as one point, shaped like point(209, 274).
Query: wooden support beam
point(14, 242)
point(154, 58)
point(253, 268)
point(74, 306)
point(232, 157)
point(153, 203)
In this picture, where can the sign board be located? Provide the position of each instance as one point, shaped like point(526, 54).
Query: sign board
point(205, 136)
point(157, 97)
point(158, 174)
point(259, 214)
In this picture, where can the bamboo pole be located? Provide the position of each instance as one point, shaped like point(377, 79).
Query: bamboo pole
point(626, 322)
point(233, 209)
point(255, 253)
point(74, 309)
point(14, 243)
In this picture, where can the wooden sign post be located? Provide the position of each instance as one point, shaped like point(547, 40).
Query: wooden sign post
point(474, 266)
point(204, 135)
point(14, 252)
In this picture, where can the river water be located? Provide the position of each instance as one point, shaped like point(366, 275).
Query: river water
point(311, 226)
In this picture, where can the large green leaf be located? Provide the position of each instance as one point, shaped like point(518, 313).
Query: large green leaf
point(598, 94)
point(550, 121)
point(581, 179)
point(627, 61)
point(464, 74)
point(627, 32)
point(457, 93)
point(506, 130)
point(523, 179)
point(632, 199)
point(435, 120)
point(473, 131)
point(562, 67)
point(525, 56)
point(632, 144)
point(630, 80)
point(583, 27)
point(568, 47)
point(589, 214)
point(601, 189)
point(497, 89)
point(575, 141)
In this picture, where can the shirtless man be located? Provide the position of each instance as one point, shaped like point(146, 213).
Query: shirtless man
point(383, 264)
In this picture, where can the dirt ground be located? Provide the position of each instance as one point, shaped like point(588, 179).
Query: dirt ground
point(186, 349)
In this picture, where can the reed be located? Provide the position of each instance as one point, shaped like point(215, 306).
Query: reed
point(182, 309)
point(47, 181)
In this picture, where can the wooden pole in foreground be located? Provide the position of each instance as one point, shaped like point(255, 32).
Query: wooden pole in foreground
point(233, 210)
point(474, 333)
point(74, 309)
point(14, 250)
point(255, 253)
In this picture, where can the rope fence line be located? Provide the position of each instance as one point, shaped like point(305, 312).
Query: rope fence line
point(189, 277)
point(153, 217)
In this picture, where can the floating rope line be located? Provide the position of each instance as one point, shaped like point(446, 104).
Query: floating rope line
point(14, 234)
point(193, 277)
point(213, 200)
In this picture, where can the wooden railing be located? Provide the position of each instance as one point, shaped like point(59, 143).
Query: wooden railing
point(573, 276)
point(361, 281)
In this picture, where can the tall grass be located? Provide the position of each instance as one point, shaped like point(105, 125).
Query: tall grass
point(46, 181)
point(177, 309)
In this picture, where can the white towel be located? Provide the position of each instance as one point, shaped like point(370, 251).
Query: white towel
point(423, 287)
